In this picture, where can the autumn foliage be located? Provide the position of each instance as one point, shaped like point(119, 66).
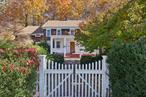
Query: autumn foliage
point(26, 57)
point(18, 72)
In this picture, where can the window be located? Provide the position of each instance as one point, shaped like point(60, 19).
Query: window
point(65, 31)
point(58, 31)
point(48, 33)
point(72, 31)
point(53, 31)
point(58, 44)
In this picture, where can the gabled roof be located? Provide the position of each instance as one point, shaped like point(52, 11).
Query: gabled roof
point(58, 23)
point(30, 30)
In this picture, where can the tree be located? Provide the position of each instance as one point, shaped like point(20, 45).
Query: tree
point(24, 12)
point(72, 9)
point(65, 9)
point(127, 23)
point(10, 16)
point(34, 10)
point(127, 65)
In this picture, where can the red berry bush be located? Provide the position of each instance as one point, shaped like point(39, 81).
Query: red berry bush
point(18, 74)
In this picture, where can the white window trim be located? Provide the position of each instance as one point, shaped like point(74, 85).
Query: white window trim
point(47, 32)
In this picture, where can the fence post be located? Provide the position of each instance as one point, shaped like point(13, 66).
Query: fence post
point(42, 67)
point(105, 78)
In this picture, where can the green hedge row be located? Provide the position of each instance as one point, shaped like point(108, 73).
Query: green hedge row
point(127, 66)
point(90, 59)
point(43, 48)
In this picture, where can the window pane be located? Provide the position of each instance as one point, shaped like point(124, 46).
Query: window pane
point(58, 44)
point(53, 31)
point(59, 32)
point(65, 31)
point(48, 33)
point(72, 32)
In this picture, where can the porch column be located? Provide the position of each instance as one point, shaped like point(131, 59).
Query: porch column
point(65, 47)
point(51, 45)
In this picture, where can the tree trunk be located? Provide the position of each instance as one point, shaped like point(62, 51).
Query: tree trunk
point(26, 20)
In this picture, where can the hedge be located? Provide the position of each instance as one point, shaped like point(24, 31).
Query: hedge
point(90, 59)
point(127, 66)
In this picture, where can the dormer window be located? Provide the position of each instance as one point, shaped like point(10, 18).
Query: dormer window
point(59, 32)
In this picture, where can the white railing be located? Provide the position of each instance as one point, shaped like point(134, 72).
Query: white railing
point(73, 80)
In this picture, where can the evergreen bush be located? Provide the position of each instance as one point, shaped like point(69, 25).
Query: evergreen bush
point(127, 66)
point(90, 59)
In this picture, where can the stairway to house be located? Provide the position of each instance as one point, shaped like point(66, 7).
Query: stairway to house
point(72, 59)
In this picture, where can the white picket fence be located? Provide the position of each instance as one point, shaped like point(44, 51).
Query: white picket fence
point(73, 80)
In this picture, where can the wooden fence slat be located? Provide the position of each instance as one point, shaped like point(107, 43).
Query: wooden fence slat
point(99, 85)
point(59, 79)
point(66, 88)
point(86, 79)
point(55, 78)
point(89, 79)
point(96, 81)
point(83, 82)
point(79, 93)
point(73, 80)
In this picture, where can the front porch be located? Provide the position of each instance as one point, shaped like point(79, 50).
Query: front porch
point(63, 45)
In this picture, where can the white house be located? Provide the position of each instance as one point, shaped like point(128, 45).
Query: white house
point(61, 36)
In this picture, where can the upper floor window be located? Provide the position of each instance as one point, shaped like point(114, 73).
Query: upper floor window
point(65, 31)
point(59, 32)
point(72, 31)
point(48, 33)
point(53, 31)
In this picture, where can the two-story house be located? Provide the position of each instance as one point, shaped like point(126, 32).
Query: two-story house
point(61, 36)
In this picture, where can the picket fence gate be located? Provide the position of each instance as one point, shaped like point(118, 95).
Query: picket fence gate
point(73, 80)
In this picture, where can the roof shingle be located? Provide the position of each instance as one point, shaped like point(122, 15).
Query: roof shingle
point(57, 23)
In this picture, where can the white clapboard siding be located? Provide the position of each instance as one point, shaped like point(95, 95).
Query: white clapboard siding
point(72, 80)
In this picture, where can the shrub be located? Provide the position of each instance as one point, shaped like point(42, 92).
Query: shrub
point(40, 50)
point(90, 59)
point(127, 66)
point(17, 71)
point(56, 58)
point(45, 46)
point(44, 49)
